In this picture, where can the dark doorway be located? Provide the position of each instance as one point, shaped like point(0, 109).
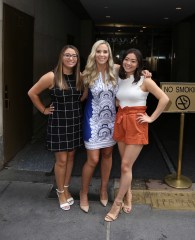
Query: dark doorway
point(18, 30)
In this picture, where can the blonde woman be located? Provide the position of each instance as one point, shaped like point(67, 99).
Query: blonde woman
point(64, 130)
point(100, 77)
point(99, 116)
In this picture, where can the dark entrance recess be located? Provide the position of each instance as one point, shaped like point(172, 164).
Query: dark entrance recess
point(18, 30)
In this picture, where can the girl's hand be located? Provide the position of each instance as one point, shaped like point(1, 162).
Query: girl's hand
point(147, 74)
point(85, 95)
point(49, 110)
point(143, 118)
point(117, 102)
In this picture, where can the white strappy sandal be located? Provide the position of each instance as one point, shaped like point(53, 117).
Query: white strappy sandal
point(64, 206)
point(71, 199)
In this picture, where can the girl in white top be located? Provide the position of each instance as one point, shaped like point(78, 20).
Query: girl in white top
point(131, 124)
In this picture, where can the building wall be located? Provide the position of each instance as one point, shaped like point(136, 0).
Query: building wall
point(53, 23)
point(183, 51)
point(192, 49)
point(1, 92)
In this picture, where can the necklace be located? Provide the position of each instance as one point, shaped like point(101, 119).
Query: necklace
point(66, 77)
point(68, 81)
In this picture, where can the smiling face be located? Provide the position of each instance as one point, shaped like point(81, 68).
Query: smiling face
point(130, 64)
point(69, 58)
point(102, 54)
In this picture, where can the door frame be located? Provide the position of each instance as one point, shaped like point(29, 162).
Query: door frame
point(24, 39)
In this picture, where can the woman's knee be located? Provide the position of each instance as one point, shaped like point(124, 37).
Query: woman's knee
point(61, 160)
point(106, 154)
point(125, 168)
point(61, 163)
point(71, 156)
point(93, 161)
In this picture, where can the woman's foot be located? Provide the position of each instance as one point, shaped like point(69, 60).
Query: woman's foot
point(84, 204)
point(69, 198)
point(64, 205)
point(104, 198)
point(127, 202)
point(114, 212)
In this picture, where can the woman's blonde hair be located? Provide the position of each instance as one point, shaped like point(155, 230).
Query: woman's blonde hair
point(90, 74)
point(59, 79)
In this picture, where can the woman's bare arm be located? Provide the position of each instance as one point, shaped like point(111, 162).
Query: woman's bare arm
point(45, 82)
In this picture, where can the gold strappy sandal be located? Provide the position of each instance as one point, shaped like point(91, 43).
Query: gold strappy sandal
point(127, 202)
point(116, 208)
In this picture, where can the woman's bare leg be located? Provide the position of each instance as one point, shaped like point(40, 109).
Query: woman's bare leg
point(131, 153)
point(121, 148)
point(60, 170)
point(68, 174)
point(128, 195)
point(106, 165)
point(87, 173)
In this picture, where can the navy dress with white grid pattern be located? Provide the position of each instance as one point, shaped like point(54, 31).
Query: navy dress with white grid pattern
point(64, 130)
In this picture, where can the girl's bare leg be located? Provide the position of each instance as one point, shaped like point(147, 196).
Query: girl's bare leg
point(106, 165)
point(87, 173)
point(68, 174)
point(60, 170)
point(131, 153)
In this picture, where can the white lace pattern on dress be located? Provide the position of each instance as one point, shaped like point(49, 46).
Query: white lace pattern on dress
point(103, 115)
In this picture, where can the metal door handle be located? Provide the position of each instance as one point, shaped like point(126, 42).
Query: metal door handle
point(7, 103)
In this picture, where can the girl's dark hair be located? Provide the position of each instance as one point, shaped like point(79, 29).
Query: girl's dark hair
point(58, 72)
point(138, 71)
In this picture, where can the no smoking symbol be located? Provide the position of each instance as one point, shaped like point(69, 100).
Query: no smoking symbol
point(182, 102)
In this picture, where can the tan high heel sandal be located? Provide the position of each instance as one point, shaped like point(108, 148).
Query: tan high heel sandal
point(71, 199)
point(64, 206)
point(84, 205)
point(127, 202)
point(117, 206)
point(104, 202)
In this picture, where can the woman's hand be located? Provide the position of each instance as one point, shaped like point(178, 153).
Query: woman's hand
point(143, 117)
point(48, 110)
point(147, 74)
point(117, 102)
point(85, 95)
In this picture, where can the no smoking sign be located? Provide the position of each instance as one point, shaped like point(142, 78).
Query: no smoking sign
point(181, 95)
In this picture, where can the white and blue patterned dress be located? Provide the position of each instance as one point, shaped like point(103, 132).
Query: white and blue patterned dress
point(99, 115)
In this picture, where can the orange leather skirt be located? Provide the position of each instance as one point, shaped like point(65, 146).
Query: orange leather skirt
point(126, 127)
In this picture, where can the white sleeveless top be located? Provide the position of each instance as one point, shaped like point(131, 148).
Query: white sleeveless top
point(130, 94)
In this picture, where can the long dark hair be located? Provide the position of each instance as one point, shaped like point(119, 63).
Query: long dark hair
point(58, 72)
point(138, 71)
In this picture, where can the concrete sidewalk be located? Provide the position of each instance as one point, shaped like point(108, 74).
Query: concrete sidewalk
point(26, 213)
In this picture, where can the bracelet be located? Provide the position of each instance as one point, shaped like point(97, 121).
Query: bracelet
point(44, 110)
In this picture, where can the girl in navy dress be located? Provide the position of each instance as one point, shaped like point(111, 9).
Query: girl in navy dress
point(64, 130)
